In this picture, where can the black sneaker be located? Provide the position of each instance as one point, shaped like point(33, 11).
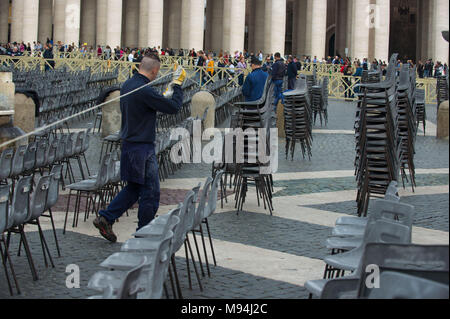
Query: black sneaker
point(105, 229)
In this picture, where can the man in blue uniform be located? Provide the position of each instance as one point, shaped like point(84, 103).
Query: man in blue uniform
point(254, 83)
point(139, 167)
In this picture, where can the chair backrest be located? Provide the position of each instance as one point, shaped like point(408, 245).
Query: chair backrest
point(4, 207)
point(50, 157)
point(39, 197)
point(17, 163)
point(21, 202)
point(6, 163)
point(41, 152)
point(130, 285)
point(61, 148)
point(396, 285)
point(184, 215)
point(212, 199)
point(102, 176)
point(53, 190)
point(78, 137)
point(202, 204)
point(428, 262)
point(392, 211)
point(159, 272)
point(29, 159)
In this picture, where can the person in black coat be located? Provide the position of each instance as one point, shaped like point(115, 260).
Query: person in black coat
point(48, 55)
point(291, 73)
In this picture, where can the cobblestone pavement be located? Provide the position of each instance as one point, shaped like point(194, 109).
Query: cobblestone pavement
point(258, 256)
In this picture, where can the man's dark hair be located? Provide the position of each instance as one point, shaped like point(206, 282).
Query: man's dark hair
point(278, 55)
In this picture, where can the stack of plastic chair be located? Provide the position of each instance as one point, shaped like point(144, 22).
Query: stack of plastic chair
point(421, 111)
point(390, 222)
point(407, 123)
point(298, 119)
point(257, 116)
point(442, 89)
point(319, 101)
point(378, 146)
point(154, 242)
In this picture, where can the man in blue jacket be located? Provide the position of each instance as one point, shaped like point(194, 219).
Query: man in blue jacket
point(254, 83)
point(139, 167)
point(278, 73)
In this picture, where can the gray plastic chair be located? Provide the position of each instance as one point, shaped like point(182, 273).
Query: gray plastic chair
point(383, 231)
point(89, 189)
point(382, 209)
point(6, 159)
point(4, 221)
point(37, 208)
point(52, 199)
point(394, 285)
point(17, 163)
point(427, 262)
point(20, 214)
point(29, 160)
point(152, 275)
point(129, 287)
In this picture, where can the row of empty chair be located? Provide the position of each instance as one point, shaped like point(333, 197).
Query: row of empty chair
point(22, 206)
point(141, 268)
point(383, 240)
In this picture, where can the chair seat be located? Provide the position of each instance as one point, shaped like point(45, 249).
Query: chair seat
point(137, 245)
point(346, 261)
point(343, 243)
point(350, 220)
point(124, 261)
point(315, 287)
point(102, 279)
point(86, 185)
point(348, 230)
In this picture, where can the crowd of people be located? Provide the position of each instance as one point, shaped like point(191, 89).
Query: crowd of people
point(236, 62)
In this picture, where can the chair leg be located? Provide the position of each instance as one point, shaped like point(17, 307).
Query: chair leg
point(28, 252)
point(67, 212)
point(172, 282)
point(204, 250)
point(45, 243)
point(54, 232)
point(193, 262)
point(8, 257)
point(198, 253)
point(174, 266)
point(210, 242)
point(187, 264)
point(6, 271)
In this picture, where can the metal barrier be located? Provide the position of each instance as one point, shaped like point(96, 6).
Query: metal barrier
point(340, 86)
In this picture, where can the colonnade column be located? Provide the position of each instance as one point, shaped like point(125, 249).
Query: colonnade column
point(360, 29)
point(30, 21)
point(88, 22)
point(45, 20)
point(73, 20)
point(259, 11)
point(192, 24)
point(233, 25)
point(143, 23)
point(382, 30)
point(16, 20)
point(59, 21)
point(131, 23)
point(316, 28)
point(275, 26)
point(102, 7)
point(155, 23)
point(114, 23)
point(439, 23)
point(4, 16)
point(174, 32)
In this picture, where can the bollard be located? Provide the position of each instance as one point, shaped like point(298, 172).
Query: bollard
point(24, 116)
point(442, 121)
point(111, 115)
point(280, 120)
point(200, 102)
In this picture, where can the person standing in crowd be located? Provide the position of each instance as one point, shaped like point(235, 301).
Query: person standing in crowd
point(210, 65)
point(241, 67)
point(292, 72)
point(99, 51)
point(298, 64)
point(348, 72)
point(278, 72)
point(48, 55)
point(221, 64)
point(358, 74)
point(420, 69)
point(255, 82)
point(131, 56)
point(138, 165)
